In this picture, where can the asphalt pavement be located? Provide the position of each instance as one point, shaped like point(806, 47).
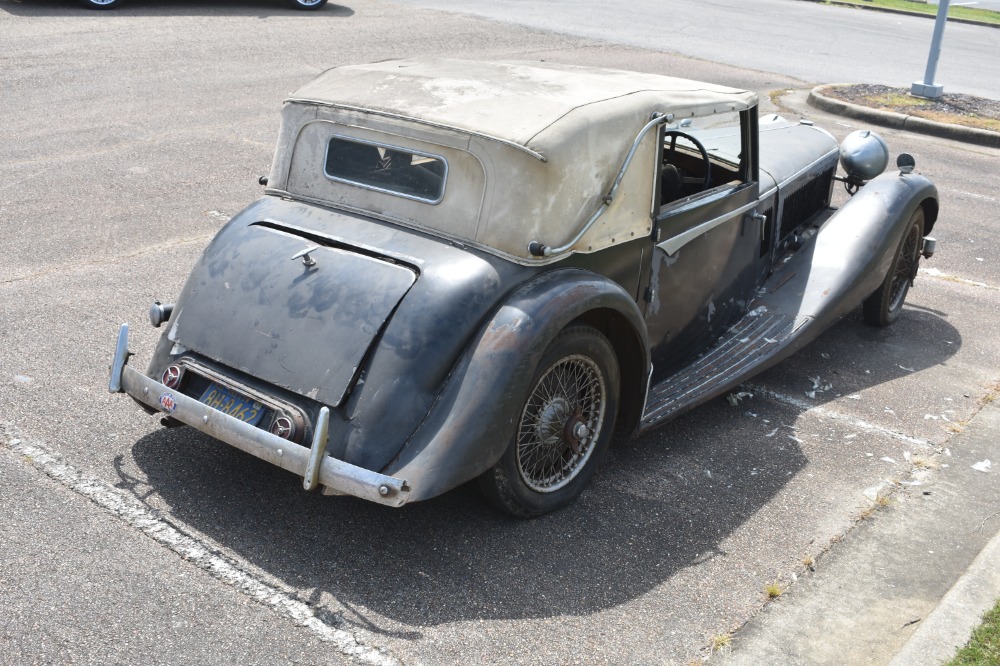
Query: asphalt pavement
point(131, 136)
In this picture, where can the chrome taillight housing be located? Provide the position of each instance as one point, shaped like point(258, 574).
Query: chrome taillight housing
point(171, 377)
point(282, 426)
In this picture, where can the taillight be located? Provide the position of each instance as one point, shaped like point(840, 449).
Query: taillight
point(171, 377)
point(282, 427)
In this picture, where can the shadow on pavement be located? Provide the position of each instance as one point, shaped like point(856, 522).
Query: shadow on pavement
point(455, 557)
point(853, 356)
point(660, 504)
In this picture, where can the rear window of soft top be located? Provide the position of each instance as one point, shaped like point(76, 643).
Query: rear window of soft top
point(399, 171)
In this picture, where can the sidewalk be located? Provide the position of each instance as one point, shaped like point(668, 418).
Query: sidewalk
point(905, 587)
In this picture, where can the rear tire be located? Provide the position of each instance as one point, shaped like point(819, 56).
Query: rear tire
point(564, 426)
point(885, 305)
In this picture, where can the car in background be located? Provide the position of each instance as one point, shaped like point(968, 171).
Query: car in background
point(111, 4)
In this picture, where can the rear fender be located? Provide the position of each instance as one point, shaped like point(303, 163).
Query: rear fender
point(472, 421)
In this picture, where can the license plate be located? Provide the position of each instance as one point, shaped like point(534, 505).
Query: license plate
point(232, 403)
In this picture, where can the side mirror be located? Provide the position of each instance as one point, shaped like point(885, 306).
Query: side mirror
point(905, 163)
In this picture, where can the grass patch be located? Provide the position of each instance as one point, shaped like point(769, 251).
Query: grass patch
point(969, 121)
point(721, 642)
point(983, 649)
point(773, 590)
point(970, 13)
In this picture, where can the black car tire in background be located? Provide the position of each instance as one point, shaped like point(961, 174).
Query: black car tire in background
point(564, 427)
point(101, 4)
point(308, 5)
point(886, 303)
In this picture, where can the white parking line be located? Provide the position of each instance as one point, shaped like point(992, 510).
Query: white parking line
point(935, 273)
point(136, 515)
point(807, 406)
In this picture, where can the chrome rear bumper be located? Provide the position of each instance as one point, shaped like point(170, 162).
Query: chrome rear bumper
point(310, 463)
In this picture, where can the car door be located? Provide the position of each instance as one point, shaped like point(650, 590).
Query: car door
point(706, 261)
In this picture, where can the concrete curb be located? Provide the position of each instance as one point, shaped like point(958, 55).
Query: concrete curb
point(890, 10)
point(980, 137)
point(951, 623)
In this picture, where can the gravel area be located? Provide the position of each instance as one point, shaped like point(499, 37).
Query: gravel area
point(949, 108)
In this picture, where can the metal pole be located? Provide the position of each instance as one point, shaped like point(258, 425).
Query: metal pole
point(928, 88)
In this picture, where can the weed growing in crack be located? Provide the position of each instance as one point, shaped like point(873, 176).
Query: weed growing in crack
point(721, 642)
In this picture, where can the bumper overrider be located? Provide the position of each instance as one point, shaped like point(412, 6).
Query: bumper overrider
point(311, 463)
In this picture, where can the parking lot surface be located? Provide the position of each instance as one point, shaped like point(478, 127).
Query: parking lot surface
point(130, 137)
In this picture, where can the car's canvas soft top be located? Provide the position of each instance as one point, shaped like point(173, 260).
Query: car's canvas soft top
point(511, 101)
point(531, 148)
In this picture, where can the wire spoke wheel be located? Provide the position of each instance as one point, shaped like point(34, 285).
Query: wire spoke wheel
point(563, 426)
point(559, 424)
point(905, 268)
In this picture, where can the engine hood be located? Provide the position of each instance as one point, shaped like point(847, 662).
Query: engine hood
point(787, 149)
point(301, 323)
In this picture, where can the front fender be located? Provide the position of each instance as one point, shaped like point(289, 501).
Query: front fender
point(859, 242)
point(848, 259)
point(472, 421)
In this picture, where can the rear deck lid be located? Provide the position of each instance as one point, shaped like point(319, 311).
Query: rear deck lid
point(304, 324)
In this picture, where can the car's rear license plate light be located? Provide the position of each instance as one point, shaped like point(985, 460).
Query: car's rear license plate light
point(232, 403)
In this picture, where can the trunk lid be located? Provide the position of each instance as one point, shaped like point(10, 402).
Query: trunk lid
point(306, 328)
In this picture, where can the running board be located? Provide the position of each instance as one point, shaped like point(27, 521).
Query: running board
point(758, 340)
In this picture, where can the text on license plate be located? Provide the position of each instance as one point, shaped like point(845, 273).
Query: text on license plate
point(232, 403)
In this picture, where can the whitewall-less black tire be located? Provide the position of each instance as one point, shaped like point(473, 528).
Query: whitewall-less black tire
point(885, 305)
point(101, 4)
point(563, 429)
point(308, 5)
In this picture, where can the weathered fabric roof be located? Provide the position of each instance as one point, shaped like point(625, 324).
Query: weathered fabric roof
point(511, 101)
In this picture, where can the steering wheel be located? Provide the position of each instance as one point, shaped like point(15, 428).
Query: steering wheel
point(672, 150)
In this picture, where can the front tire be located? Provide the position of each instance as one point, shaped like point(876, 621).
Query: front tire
point(885, 305)
point(564, 426)
point(308, 5)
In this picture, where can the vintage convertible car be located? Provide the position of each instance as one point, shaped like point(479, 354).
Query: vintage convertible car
point(470, 270)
